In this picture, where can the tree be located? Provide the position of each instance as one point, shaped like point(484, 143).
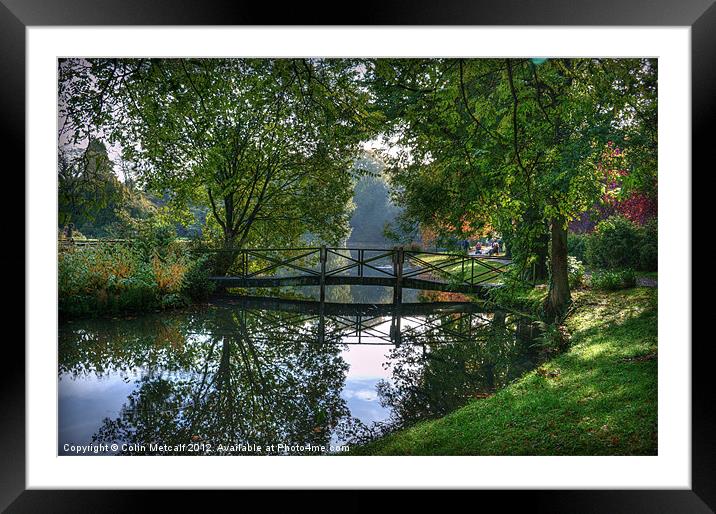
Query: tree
point(511, 142)
point(265, 144)
point(87, 185)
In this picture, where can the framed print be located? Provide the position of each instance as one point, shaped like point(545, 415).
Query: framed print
point(418, 250)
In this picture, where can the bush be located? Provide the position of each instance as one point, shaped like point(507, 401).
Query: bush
point(577, 245)
point(103, 278)
point(110, 279)
point(196, 284)
point(649, 246)
point(552, 338)
point(614, 244)
point(575, 271)
point(612, 280)
point(515, 295)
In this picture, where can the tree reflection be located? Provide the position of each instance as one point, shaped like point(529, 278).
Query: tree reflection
point(446, 362)
point(238, 378)
point(246, 375)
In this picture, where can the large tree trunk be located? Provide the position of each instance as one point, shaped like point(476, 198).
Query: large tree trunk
point(558, 297)
point(225, 256)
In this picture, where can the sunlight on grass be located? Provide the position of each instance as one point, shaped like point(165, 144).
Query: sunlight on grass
point(595, 399)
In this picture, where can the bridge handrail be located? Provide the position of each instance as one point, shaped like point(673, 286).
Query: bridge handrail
point(341, 248)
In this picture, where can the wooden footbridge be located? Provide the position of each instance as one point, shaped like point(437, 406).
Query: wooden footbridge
point(397, 267)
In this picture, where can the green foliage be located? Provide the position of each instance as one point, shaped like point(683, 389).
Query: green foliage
point(88, 192)
point(553, 338)
point(577, 245)
point(614, 244)
point(517, 296)
point(265, 145)
point(575, 272)
point(119, 278)
point(613, 279)
point(104, 279)
point(511, 143)
point(154, 235)
point(91, 197)
point(649, 246)
point(196, 284)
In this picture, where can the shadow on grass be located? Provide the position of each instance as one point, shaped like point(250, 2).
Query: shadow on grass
point(599, 398)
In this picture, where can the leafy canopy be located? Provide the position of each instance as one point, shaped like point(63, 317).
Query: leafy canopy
point(265, 143)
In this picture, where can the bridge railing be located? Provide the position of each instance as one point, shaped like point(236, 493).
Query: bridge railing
point(455, 268)
point(266, 262)
point(328, 263)
point(360, 262)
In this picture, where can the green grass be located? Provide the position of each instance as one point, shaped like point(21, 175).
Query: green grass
point(598, 398)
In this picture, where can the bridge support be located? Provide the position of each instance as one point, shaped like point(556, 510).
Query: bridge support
point(395, 329)
point(322, 323)
point(323, 258)
point(398, 259)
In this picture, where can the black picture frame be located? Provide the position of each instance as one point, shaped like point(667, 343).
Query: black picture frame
point(17, 15)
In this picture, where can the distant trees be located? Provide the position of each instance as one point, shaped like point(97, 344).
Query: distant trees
point(87, 186)
point(373, 207)
point(91, 198)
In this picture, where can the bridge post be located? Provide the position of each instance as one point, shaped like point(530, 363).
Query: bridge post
point(398, 258)
point(323, 259)
point(321, 323)
point(395, 331)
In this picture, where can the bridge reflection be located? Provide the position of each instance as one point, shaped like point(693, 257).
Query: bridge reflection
point(410, 323)
point(261, 370)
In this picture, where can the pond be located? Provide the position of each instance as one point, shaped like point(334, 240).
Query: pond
point(252, 376)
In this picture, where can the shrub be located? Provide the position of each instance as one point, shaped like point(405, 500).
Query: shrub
point(577, 245)
point(196, 284)
point(169, 272)
point(575, 270)
point(649, 246)
point(553, 338)
point(517, 296)
point(109, 279)
point(614, 244)
point(611, 280)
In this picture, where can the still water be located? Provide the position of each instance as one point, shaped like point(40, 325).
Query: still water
point(252, 376)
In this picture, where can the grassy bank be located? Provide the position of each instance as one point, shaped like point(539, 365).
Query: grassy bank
point(598, 398)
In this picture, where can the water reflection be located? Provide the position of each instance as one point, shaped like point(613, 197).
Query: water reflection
point(246, 373)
